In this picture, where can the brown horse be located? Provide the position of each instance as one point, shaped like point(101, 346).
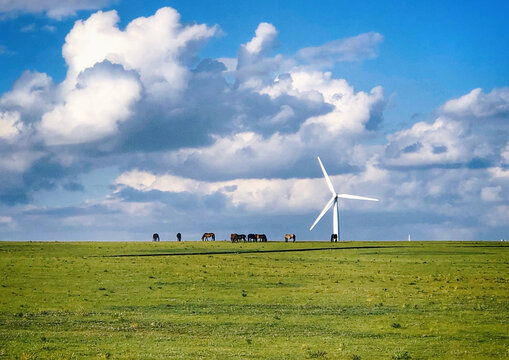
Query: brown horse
point(261, 237)
point(251, 237)
point(334, 238)
point(289, 236)
point(208, 236)
point(237, 237)
point(155, 237)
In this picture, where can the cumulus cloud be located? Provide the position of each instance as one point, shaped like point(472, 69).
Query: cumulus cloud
point(480, 105)
point(10, 125)
point(470, 131)
point(94, 108)
point(352, 110)
point(255, 194)
point(55, 9)
point(156, 47)
point(262, 42)
point(441, 142)
point(31, 95)
point(254, 67)
point(237, 138)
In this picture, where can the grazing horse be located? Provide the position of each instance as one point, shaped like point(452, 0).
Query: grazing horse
point(179, 237)
point(155, 237)
point(208, 236)
point(289, 236)
point(237, 237)
point(251, 237)
point(334, 238)
point(261, 237)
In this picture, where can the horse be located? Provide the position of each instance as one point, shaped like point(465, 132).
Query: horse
point(251, 237)
point(208, 236)
point(155, 237)
point(261, 237)
point(289, 236)
point(237, 237)
point(179, 237)
point(334, 238)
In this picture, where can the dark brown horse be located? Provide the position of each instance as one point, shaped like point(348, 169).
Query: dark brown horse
point(208, 236)
point(334, 238)
point(179, 237)
point(261, 237)
point(155, 237)
point(237, 237)
point(289, 236)
point(251, 237)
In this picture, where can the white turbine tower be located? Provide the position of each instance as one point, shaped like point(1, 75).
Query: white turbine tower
point(334, 201)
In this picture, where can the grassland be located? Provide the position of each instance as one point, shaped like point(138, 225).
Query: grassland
point(412, 300)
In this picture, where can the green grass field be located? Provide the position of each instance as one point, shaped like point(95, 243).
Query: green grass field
point(407, 300)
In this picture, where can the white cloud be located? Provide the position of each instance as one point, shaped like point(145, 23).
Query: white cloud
point(33, 28)
point(32, 94)
point(10, 125)
point(480, 105)
point(93, 109)
point(6, 220)
point(18, 161)
point(246, 136)
point(28, 28)
point(263, 40)
point(242, 153)
point(505, 154)
point(254, 67)
point(295, 195)
point(441, 142)
point(351, 110)
point(56, 9)
point(230, 63)
point(497, 216)
point(141, 209)
point(363, 46)
point(499, 173)
point(491, 193)
point(154, 46)
point(453, 138)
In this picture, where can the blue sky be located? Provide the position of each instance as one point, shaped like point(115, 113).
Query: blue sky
point(121, 118)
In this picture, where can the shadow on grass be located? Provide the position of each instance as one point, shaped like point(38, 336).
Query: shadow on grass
point(255, 251)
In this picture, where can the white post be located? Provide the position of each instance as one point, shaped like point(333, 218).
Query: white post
point(335, 218)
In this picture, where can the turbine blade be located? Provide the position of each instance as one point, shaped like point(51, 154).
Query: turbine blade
point(327, 207)
point(329, 183)
point(355, 197)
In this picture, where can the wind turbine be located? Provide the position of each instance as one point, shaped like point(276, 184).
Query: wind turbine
point(334, 201)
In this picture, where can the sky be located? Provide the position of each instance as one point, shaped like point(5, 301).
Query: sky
point(121, 118)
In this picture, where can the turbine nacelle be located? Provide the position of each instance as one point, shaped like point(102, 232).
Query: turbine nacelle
point(334, 202)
